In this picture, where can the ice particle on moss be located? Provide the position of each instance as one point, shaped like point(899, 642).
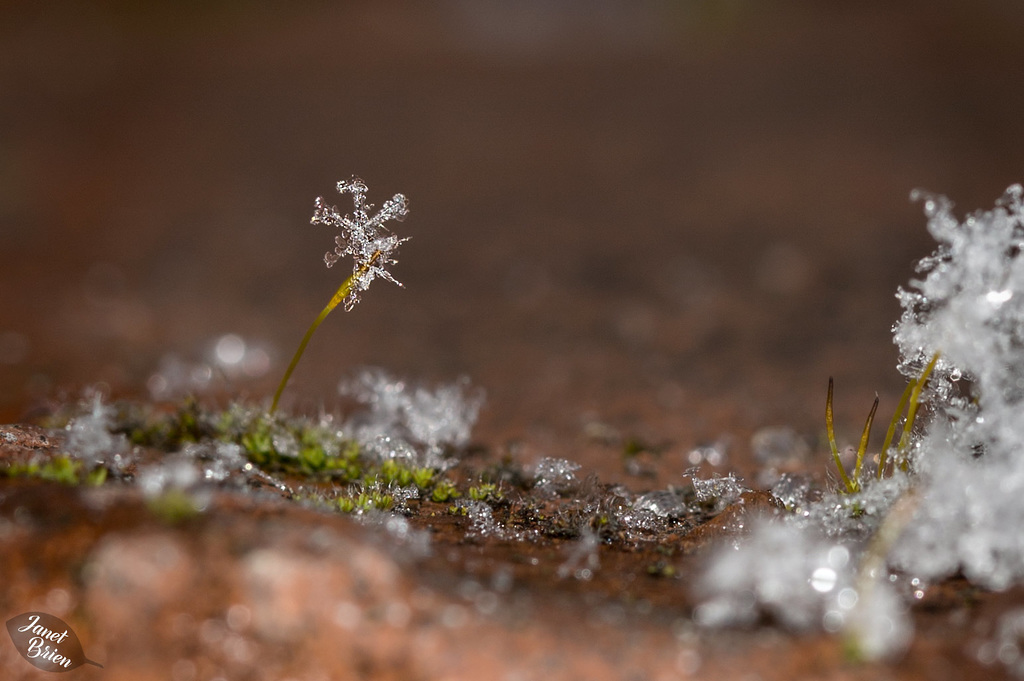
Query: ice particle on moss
point(89, 435)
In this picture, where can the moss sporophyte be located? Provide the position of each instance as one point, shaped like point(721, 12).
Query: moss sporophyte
point(367, 240)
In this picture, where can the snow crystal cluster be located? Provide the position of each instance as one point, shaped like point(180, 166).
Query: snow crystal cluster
point(412, 422)
point(826, 564)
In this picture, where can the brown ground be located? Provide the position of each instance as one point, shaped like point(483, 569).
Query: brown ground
point(643, 221)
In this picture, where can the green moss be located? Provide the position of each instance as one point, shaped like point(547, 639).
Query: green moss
point(423, 478)
point(62, 469)
point(487, 492)
point(392, 472)
point(20, 470)
point(365, 501)
point(444, 491)
point(661, 568)
point(167, 431)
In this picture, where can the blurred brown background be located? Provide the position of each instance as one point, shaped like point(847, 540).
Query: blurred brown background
point(669, 221)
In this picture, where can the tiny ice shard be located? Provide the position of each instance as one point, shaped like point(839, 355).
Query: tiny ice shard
point(662, 503)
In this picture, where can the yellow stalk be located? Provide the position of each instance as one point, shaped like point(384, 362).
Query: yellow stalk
point(892, 426)
point(863, 447)
point(832, 440)
point(339, 296)
point(915, 396)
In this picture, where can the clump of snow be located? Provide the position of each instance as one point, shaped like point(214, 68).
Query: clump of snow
point(804, 580)
point(969, 307)
point(402, 418)
point(412, 544)
point(796, 493)
point(878, 624)
point(713, 454)
point(782, 572)
point(219, 462)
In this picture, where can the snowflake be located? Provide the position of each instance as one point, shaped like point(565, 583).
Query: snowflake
point(362, 236)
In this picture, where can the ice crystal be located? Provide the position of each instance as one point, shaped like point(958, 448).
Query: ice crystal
point(555, 476)
point(582, 559)
point(668, 503)
point(716, 491)
point(177, 472)
point(363, 236)
point(411, 544)
point(481, 519)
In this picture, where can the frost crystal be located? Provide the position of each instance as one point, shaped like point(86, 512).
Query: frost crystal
point(363, 236)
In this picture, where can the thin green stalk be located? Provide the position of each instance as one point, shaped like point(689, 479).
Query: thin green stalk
point(912, 411)
point(863, 447)
point(892, 426)
point(339, 296)
point(832, 440)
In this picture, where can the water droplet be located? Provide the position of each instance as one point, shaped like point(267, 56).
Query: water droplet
point(824, 579)
point(230, 349)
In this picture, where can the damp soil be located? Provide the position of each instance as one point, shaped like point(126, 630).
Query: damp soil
point(255, 584)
